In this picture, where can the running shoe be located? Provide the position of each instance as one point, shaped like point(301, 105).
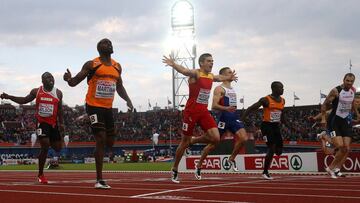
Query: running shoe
point(338, 173)
point(233, 166)
point(42, 179)
point(174, 176)
point(197, 173)
point(100, 184)
point(331, 173)
point(267, 176)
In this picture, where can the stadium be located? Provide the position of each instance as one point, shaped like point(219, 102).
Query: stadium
point(151, 155)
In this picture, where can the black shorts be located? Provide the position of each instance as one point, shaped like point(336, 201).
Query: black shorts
point(271, 132)
point(338, 126)
point(101, 119)
point(47, 130)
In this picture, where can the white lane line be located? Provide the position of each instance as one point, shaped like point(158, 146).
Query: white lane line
point(190, 188)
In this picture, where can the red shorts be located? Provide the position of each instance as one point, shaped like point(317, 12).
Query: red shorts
point(203, 118)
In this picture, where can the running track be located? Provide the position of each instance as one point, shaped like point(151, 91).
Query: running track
point(77, 187)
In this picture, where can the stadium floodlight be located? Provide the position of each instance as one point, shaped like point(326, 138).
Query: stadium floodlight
point(183, 47)
point(182, 15)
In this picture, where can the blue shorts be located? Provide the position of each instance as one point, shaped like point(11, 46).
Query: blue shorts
point(229, 124)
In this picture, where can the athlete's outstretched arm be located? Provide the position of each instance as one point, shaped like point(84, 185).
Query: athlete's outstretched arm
point(120, 89)
point(60, 113)
point(179, 68)
point(262, 102)
point(85, 70)
point(327, 104)
point(21, 100)
point(218, 93)
point(221, 78)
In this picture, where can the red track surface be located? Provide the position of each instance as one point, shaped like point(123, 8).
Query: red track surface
point(21, 187)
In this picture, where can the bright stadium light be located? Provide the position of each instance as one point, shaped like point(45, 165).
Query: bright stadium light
point(182, 15)
point(183, 48)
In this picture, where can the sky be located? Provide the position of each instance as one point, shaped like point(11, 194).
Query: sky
point(305, 44)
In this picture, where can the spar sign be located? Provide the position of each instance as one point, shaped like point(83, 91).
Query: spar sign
point(352, 163)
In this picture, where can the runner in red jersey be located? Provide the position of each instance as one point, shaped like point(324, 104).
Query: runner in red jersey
point(196, 109)
point(49, 116)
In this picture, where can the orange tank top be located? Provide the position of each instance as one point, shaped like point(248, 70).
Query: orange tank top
point(272, 113)
point(102, 84)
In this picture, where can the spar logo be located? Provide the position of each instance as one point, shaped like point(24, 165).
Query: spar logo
point(210, 163)
point(296, 162)
point(225, 163)
point(257, 163)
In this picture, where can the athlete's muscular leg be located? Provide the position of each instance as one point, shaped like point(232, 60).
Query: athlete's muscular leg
point(44, 144)
point(347, 142)
point(185, 142)
point(338, 143)
point(214, 139)
point(269, 157)
point(241, 138)
point(110, 140)
point(100, 138)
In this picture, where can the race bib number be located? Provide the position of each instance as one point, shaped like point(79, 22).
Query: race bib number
point(221, 125)
point(203, 97)
point(275, 116)
point(105, 89)
point(345, 107)
point(46, 110)
point(232, 99)
point(93, 119)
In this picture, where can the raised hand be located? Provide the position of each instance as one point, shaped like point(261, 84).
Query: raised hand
point(67, 75)
point(234, 77)
point(169, 61)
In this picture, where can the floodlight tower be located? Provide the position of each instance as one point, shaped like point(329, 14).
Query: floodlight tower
point(183, 48)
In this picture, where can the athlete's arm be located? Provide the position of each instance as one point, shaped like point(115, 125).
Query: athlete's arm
point(21, 100)
point(327, 104)
point(221, 78)
point(262, 102)
point(60, 113)
point(120, 89)
point(218, 93)
point(85, 70)
point(179, 68)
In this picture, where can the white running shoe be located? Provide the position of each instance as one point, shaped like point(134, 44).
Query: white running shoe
point(174, 176)
point(267, 176)
point(338, 173)
point(102, 185)
point(233, 166)
point(197, 173)
point(331, 173)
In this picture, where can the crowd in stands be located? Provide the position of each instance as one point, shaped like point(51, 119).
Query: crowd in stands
point(18, 124)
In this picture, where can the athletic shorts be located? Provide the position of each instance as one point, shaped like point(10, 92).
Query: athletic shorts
point(338, 126)
point(190, 119)
point(226, 123)
point(101, 119)
point(271, 133)
point(47, 130)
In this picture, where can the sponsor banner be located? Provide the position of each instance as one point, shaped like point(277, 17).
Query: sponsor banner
point(210, 163)
point(19, 161)
point(352, 163)
point(253, 162)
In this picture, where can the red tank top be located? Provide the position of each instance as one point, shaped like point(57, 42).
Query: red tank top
point(47, 106)
point(199, 92)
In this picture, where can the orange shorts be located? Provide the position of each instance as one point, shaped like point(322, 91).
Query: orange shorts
point(203, 118)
